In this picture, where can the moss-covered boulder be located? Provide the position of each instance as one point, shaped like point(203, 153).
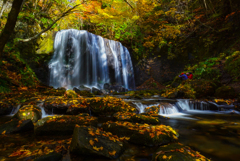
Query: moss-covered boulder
point(76, 109)
point(60, 105)
point(16, 126)
point(70, 94)
point(61, 125)
point(142, 134)
point(5, 109)
point(152, 109)
point(137, 118)
point(92, 141)
point(109, 105)
point(225, 92)
point(29, 112)
point(177, 152)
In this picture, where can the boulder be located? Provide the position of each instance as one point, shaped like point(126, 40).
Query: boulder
point(106, 86)
point(142, 134)
point(80, 107)
point(29, 112)
point(59, 105)
point(137, 118)
point(51, 157)
point(16, 126)
point(61, 125)
point(84, 88)
point(92, 141)
point(109, 105)
point(96, 91)
point(70, 94)
point(177, 152)
point(5, 109)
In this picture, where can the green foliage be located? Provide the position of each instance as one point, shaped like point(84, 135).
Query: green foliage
point(232, 65)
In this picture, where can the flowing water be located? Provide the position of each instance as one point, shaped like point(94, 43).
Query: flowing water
point(82, 58)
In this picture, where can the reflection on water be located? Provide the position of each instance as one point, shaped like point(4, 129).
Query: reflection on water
point(214, 134)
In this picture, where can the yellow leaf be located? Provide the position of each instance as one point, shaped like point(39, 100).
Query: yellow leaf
point(112, 153)
point(164, 157)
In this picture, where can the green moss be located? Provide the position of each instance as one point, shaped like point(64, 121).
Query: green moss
point(46, 45)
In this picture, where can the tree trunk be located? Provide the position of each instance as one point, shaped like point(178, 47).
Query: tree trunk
point(11, 22)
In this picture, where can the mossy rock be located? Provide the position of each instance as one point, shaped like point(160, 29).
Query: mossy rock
point(225, 92)
point(70, 94)
point(16, 126)
point(142, 134)
point(109, 105)
point(29, 112)
point(137, 118)
point(94, 142)
point(152, 110)
point(60, 105)
point(203, 87)
point(62, 125)
point(177, 152)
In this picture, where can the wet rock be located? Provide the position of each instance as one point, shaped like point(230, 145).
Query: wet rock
point(51, 157)
point(109, 105)
point(142, 134)
point(59, 105)
point(70, 94)
point(106, 86)
point(137, 118)
point(152, 109)
point(84, 88)
point(175, 152)
point(16, 126)
point(29, 112)
point(92, 141)
point(61, 125)
point(96, 91)
point(81, 107)
point(5, 109)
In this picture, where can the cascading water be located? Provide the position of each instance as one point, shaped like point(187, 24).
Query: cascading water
point(164, 108)
point(187, 105)
point(82, 58)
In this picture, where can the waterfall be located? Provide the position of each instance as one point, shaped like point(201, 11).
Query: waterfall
point(187, 105)
point(164, 108)
point(82, 58)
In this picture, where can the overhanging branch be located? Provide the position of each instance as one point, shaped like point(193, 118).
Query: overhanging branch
point(49, 27)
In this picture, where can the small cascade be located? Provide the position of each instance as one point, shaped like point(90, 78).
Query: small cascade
point(43, 110)
point(83, 58)
point(15, 110)
point(164, 108)
point(186, 104)
point(167, 109)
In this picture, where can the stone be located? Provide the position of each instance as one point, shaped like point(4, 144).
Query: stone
point(29, 112)
point(59, 105)
point(109, 105)
point(16, 126)
point(5, 109)
point(84, 88)
point(70, 94)
point(106, 86)
point(96, 91)
point(142, 134)
point(61, 125)
point(50, 157)
point(176, 152)
point(92, 141)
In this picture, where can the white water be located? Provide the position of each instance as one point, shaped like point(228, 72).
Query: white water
point(15, 110)
point(164, 108)
point(82, 58)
